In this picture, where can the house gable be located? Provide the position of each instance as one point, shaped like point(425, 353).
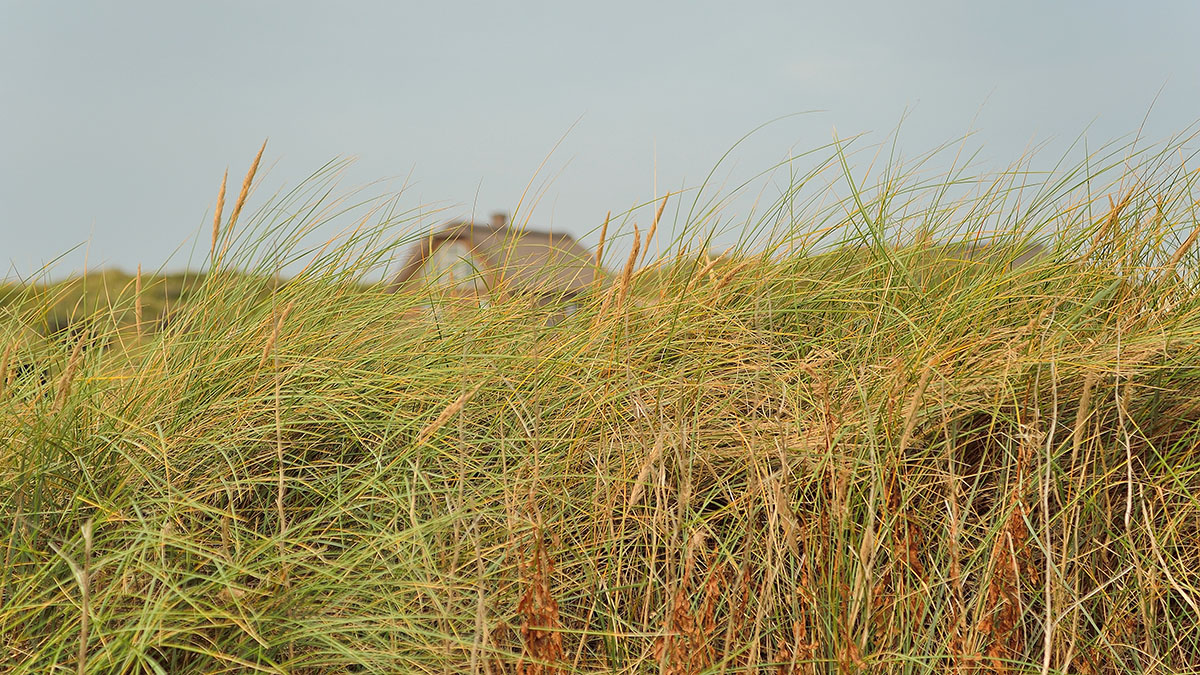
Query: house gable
point(469, 258)
point(453, 265)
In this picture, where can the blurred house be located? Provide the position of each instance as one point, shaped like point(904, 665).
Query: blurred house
point(494, 261)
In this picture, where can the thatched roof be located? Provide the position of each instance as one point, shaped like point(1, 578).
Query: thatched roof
point(518, 260)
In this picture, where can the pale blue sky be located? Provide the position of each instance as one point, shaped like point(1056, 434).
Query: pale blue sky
point(118, 118)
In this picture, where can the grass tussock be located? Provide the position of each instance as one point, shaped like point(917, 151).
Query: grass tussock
point(874, 456)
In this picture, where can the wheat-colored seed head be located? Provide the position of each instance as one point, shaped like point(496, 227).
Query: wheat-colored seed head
point(728, 276)
point(654, 225)
point(68, 376)
point(216, 228)
point(914, 406)
point(603, 234)
point(1111, 221)
point(448, 412)
point(275, 333)
point(241, 200)
point(630, 263)
point(8, 350)
point(1182, 250)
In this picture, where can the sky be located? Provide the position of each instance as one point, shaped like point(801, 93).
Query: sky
point(117, 119)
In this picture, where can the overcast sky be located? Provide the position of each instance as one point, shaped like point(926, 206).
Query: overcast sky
point(118, 118)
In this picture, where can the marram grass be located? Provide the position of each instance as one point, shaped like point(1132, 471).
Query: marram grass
point(865, 458)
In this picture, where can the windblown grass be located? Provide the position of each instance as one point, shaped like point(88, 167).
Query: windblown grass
point(782, 460)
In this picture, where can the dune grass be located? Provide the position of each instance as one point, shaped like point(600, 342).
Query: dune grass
point(866, 457)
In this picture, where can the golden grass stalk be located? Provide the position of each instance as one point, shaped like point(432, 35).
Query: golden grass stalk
point(704, 271)
point(137, 302)
point(84, 598)
point(622, 286)
point(630, 263)
point(914, 405)
point(448, 412)
point(266, 352)
point(600, 245)
point(281, 479)
point(728, 276)
point(68, 376)
point(1181, 251)
point(639, 483)
point(4, 361)
point(654, 224)
point(1110, 222)
point(1081, 416)
point(216, 227)
point(241, 200)
point(82, 576)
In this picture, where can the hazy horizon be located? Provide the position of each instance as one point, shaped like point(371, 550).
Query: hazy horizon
point(119, 119)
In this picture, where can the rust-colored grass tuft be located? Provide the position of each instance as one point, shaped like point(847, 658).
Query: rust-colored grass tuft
point(542, 641)
point(688, 643)
point(1010, 570)
point(795, 656)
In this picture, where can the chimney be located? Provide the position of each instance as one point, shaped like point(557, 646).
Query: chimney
point(499, 219)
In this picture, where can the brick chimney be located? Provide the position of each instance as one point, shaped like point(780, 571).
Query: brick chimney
point(499, 219)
